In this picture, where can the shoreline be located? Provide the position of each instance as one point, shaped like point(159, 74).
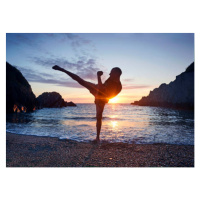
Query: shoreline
point(101, 141)
point(42, 151)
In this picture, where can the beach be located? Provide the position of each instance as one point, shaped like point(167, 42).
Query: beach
point(37, 151)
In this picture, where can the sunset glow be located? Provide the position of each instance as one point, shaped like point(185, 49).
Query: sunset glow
point(114, 100)
point(146, 60)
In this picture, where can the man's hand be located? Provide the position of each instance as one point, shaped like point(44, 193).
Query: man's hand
point(99, 73)
point(56, 67)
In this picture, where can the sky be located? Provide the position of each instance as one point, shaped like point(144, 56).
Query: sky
point(146, 59)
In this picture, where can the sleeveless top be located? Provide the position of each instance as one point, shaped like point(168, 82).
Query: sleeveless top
point(112, 89)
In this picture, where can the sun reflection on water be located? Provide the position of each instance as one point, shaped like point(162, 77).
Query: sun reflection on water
point(113, 116)
point(114, 124)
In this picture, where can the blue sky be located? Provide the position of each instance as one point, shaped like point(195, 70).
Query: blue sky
point(146, 60)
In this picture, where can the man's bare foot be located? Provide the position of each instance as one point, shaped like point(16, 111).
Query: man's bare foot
point(56, 67)
point(96, 141)
point(99, 73)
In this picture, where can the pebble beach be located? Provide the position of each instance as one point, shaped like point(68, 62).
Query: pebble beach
point(35, 151)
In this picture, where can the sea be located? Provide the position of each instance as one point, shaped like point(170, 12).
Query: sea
point(121, 123)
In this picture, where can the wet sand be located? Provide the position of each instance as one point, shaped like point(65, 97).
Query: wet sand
point(34, 151)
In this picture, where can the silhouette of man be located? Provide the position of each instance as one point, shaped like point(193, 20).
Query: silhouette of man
point(101, 91)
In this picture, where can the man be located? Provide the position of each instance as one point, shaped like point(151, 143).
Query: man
point(102, 92)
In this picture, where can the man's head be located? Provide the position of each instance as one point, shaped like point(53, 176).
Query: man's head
point(115, 72)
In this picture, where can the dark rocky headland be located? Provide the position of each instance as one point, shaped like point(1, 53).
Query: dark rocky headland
point(177, 94)
point(20, 97)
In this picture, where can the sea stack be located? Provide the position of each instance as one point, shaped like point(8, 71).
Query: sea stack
point(52, 100)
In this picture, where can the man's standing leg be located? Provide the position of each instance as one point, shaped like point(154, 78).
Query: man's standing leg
point(99, 114)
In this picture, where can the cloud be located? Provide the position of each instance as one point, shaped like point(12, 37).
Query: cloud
point(26, 39)
point(128, 80)
point(75, 40)
point(85, 68)
point(36, 40)
point(87, 71)
point(136, 86)
point(34, 76)
point(30, 39)
point(130, 96)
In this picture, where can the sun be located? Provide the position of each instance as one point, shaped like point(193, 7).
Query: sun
point(114, 100)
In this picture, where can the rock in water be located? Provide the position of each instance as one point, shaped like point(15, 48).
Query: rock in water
point(19, 95)
point(52, 100)
point(70, 103)
point(176, 94)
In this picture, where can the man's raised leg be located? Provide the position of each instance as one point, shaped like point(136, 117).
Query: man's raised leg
point(73, 76)
point(90, 86)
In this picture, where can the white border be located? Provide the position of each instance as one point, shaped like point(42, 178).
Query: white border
point(99, 16)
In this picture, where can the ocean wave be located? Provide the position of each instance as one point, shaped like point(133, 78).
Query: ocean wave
point(91, 118)
point(129, 124)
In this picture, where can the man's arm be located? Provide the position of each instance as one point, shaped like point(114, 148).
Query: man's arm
point(99, 74)
point(101, 87)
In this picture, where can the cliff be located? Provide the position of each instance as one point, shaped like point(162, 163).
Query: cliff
point(177, 94)
point(19, 95)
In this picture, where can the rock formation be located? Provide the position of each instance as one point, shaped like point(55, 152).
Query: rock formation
point(52, 100)
point(177, 94)
point(70, 103)
point(19, 95)
point(20, 98)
